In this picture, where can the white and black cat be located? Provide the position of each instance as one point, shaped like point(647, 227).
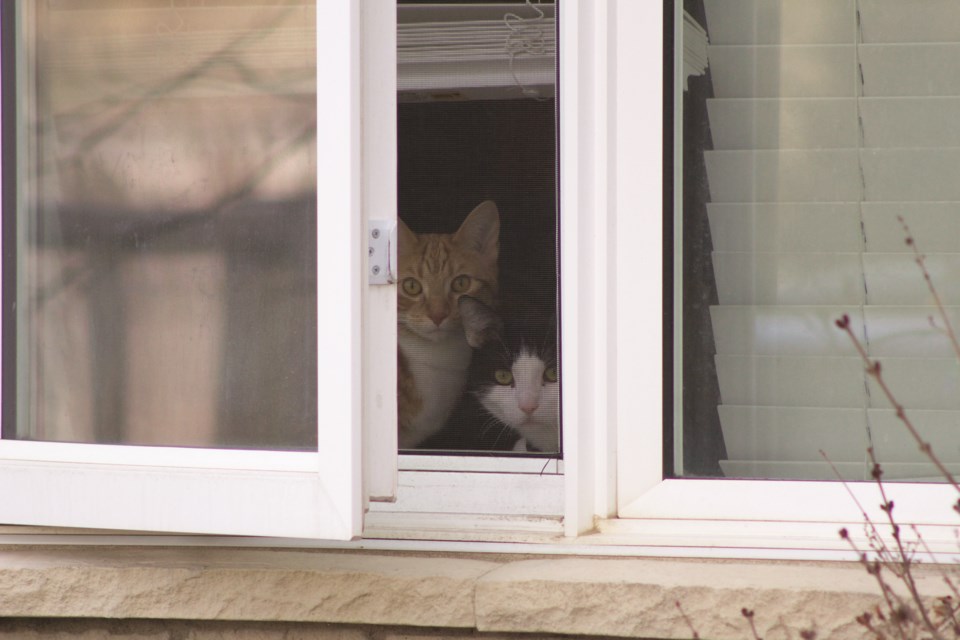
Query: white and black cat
point(514, 375)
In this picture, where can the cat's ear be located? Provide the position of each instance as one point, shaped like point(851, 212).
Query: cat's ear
point(480, 323)
point(480, 231)
point(405, 237)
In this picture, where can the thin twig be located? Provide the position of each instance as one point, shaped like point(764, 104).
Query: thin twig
point(950, 603)
point(686, 619)
point(865, 620)
point(903, 558)
point(874, 568)
point(748, 614)
point(874, 369)
point(872, 530)
point(921, 259)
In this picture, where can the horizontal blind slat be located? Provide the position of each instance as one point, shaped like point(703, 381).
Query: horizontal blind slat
point(799, 433)
point(834, 123)
point(830, 21)
point(831, 175)
point(833, 381)
point(781, 22)
point(884, 331)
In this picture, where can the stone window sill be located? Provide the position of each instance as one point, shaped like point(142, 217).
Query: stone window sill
point(593, 597)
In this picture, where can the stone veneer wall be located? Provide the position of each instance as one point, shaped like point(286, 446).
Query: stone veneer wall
point(205, 593)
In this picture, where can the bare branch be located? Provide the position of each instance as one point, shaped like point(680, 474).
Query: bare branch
point(920, 259)
point(686, 619)
point(874, 369)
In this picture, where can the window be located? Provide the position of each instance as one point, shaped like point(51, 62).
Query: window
point(163, 264)
point(780, 223)
point(618, 473)
point(344, 175)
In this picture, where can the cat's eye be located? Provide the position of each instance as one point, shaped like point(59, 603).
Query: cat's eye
point(503, 376)
point(460, 284)
point(411, 286)
point(550, 374)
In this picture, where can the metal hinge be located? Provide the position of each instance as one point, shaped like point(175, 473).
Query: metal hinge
point(382, 249)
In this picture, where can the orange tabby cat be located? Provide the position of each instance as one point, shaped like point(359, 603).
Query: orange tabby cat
point(434, 346)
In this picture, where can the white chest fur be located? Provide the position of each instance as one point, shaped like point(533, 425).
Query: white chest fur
point(439, 369)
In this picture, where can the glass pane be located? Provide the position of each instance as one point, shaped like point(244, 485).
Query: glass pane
point(808, 128)
point(164, 189)
point(477, 298)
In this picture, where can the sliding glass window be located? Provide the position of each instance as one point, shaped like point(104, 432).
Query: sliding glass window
point(809, 128)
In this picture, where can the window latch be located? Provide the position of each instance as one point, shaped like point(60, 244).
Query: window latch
point(382, 252)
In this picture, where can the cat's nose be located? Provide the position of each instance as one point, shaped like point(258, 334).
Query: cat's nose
point(438, 317)
point(529, 405)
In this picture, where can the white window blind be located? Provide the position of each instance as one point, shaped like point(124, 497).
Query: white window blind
point(461, 51)
point(830, 118)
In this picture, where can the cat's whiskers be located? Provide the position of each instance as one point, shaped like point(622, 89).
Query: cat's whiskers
point(489, 424)
point(499, 435)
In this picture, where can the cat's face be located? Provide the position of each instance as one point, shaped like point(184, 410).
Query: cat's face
point(526, 397)
point(437, 269)
point(515, 378)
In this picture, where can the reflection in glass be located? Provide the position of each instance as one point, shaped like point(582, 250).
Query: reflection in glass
point(165, 223)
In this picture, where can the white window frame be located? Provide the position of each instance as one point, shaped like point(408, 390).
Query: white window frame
point(312, 494)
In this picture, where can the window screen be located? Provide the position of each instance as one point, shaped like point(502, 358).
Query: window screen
point(159, 191)
point(814, 126)
point(478, 364)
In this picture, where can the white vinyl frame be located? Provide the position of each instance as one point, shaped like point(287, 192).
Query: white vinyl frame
point(305, 495)
point(378, 176)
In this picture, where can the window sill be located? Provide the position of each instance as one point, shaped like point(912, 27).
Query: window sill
point(626, 597)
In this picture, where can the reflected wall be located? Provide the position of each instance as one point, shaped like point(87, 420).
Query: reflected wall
point(165, 223)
